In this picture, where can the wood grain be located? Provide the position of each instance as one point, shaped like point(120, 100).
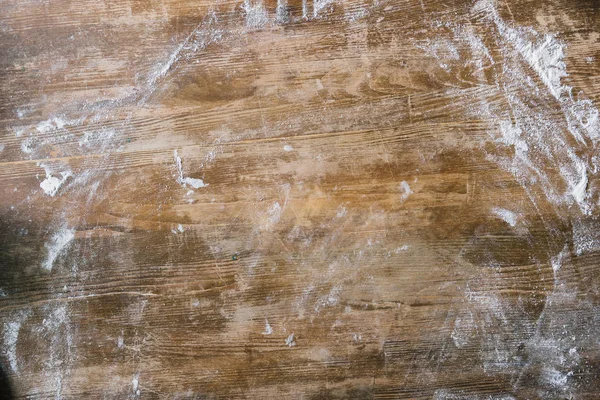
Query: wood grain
point(366, 229)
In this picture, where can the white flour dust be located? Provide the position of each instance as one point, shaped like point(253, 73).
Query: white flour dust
point(539, 143)
point(405, 191)
point(195, 183)
point(56, 245)
point(290, 340)
point(53, 183)
point(255, 13)
point(268, 329)
point(11, 337)
point(506, 215)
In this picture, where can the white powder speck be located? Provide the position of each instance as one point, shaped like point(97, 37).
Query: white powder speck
point(135, 382)
point(98, 140)
point(320, 5)
point(255, 14)
point(27, 146)
point(329, 300)
point(558, 260)
point(573, 351)
point(51, 125)
point(268, 329)
point(507, 216)
point(281, 14)
point(402, 248)
point(274, 213)
point(193, 182)
point(52, 183)
point(511, 136)
point(461, 334)
point(554, 377)
point(58, 242)
point(290, 340)
point(586, 239)
point(579, 189)
point(185, 181)
point(11, 337)
point(341, 211)
point(405, 191)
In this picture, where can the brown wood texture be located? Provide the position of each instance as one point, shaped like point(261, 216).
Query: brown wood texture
point(311, 199)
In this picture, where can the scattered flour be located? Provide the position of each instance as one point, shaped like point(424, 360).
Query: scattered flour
point(462, 333)
point(507, 216)
point(554, 377)
point(11, 337)
point(268, 328)
point(51, 124)
point(135, 383)
point(330, 299)
point(255, 14)
point(205, 33)
point(453, 394)
point(405, 191)
point(586, 238)
point(98, 140)
point(402, 248)
point(57, 334)
point(290, 340)
point(544, 54)
point(186, 181)
point(58, 242)
point(180, 229)
point(557, 261)
point(274, 213)
point(320, 5)
point(281, 13)
point(52, 184)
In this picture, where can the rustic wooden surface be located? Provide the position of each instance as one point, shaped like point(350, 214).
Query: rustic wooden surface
point(398, 199)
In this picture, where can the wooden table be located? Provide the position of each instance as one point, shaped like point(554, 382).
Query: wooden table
point(303, 199)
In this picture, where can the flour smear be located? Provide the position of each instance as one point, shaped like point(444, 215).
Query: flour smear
point(195, 183)
point(56, 245)
point(54, 181)
point(546, 135)
point(540, 144)
point(11, 338)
